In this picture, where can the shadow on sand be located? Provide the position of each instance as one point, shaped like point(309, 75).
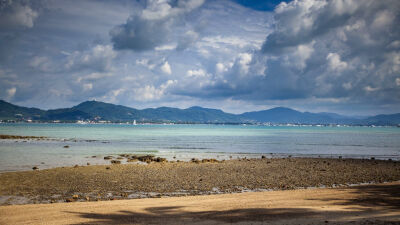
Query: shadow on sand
point(386, 196)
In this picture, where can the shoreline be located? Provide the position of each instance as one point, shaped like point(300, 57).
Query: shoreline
point(169, 179)
point(367, 204)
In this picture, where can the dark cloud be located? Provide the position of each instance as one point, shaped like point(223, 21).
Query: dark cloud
point(153, 26)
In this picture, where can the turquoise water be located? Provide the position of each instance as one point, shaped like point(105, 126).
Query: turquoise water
point(188, 141)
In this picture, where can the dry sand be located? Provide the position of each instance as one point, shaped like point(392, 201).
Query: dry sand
point(372, 204)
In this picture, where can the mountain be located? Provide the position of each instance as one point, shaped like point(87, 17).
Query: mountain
point(192, 114)
point(97, 111)
point(107, 111)
point(10, 111)
point(392, 119)
point(286, 115)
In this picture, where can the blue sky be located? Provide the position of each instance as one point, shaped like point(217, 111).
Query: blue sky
point(241, 55)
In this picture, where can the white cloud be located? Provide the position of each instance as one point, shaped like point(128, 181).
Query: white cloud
point(397, 81)
point(244, 60)
point(41, 63)
point(166, 68)
point(335, 63)
point(97, 58)
point(152, 26)
point(196, 73)
point(151, 93)
point(370, 89)
point(11, 92)
point(87, 87)
point(14, 14)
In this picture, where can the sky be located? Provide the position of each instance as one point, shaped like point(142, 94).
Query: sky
point(338, 56)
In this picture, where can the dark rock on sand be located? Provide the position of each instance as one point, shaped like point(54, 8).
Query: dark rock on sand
point(108, 157)
point(35, 168)
point(66, 146)
point(115, 162)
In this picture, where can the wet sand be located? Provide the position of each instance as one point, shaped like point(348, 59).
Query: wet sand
point(368, 204)
point(112, 182)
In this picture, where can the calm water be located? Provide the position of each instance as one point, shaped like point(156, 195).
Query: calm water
point(188, 141)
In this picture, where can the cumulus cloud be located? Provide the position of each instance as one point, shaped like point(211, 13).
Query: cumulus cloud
point(166, 68)
point(98, 58)
point(150, 92)
point(335, 63)
point(335, 49)
point(153, 26)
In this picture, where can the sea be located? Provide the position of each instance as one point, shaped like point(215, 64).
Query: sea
point(80, 144)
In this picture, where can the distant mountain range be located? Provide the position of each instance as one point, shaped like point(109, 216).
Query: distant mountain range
point(100, 111)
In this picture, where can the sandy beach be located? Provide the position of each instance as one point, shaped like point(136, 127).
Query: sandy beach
point(366, 204)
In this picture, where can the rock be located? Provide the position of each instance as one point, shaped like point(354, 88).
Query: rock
point(66, 146)
point(108, 168)
point(195, 160)
point(108, 157)
point(372, 158)
point(158, 159)
point(88, 163)
point(93, 156)
point(120, 158)
point(340, 157)
point(132, 160)
point(70, 200)
point(35, 168)
point(263, 157)
point(115, 162)
point(146, 158)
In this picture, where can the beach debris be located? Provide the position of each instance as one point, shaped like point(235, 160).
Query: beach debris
point(66, 146)
point(115, 162)
point(35, 168)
